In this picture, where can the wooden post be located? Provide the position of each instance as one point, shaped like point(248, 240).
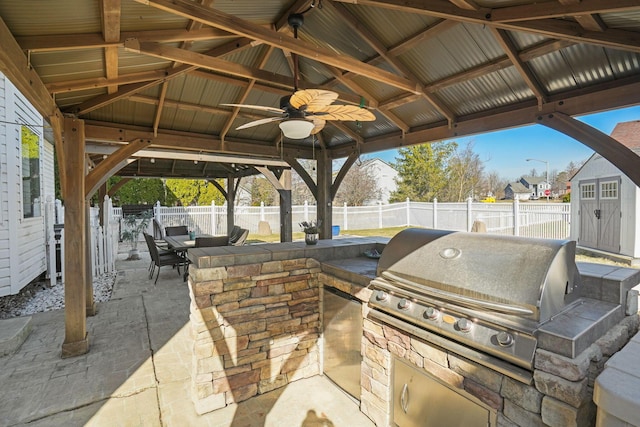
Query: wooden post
point(231, 196)
point(325, 209)
point(76, 341)
point(286, 229)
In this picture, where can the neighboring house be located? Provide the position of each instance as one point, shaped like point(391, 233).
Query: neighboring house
point(605, 204)
point(516, 191)
point(537, 185)
point(385, 176)
point(26, 181)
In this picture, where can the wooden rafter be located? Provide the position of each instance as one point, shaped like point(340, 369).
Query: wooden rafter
point(111, 33)
point(244, 28)
point(537, 19)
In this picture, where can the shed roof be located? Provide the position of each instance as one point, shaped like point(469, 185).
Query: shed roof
point(628, 133)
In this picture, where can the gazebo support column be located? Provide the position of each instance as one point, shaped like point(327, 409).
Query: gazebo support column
point(325, 205)
point(286, 229)
point(76, 341)
point(231, 198)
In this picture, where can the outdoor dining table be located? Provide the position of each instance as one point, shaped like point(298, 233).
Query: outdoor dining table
point(180, 244)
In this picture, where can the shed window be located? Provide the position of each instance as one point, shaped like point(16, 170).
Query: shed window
point(588, 191)
point(30, 173)
point(609, 190)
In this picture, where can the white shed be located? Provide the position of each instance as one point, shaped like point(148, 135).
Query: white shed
point(605, 203)
point(26, 181)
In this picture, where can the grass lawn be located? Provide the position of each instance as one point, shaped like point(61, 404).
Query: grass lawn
point(382, 232)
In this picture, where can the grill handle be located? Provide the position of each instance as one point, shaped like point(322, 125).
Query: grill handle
point(459, 299)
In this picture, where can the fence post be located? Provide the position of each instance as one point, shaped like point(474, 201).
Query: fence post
point(306, 211)
point(408, 212)
point(379, 214)
point(213, 218)
point(516, 217)
point(345, 224)
point(49, 215)
point(469, 213)
point(435, 212)
point(261, 211)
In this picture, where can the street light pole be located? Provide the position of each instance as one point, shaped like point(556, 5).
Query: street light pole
point(546, 162)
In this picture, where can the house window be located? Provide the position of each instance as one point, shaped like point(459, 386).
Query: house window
point(609, 190)
point(30, 173)
point(588, 191)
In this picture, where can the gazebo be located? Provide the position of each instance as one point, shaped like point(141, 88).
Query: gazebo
point(121, 82)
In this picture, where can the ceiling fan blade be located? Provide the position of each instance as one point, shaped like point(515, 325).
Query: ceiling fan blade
point(259, 122)
point(345, 112)
point(313, 99)
point(318, 124)
point(257, 107)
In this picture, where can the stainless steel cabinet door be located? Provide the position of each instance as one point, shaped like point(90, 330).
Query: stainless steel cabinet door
point(421, 401)
point(342, 320)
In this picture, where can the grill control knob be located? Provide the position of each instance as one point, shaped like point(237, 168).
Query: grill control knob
point(464, 325)
point(382, 296)
point(404, 304)
point(431, 313)
point(505, 339)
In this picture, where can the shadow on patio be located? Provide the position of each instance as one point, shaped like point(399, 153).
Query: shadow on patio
point(138, 369)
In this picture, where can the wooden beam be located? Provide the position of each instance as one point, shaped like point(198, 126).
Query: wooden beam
point(609, 148)
point(76, 341)
point(344, 169)
point(244, 28)
point(111, 32)
point(59, 42)
point(112, 164)
point(15, 66)
point(546, 10)
point(510, 49)
point(550, 27)
point(603, 97)
point(324, 198)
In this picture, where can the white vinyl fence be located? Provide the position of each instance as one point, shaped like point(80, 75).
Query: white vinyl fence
point(542, 220)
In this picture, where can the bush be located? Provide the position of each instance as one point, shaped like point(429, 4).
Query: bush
point(566, 198)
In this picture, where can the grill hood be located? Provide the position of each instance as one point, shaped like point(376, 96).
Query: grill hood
point(516, 276)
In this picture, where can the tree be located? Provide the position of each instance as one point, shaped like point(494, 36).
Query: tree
point(299, 190)
point(422, 171)
point(464, 172)
point(358, 186)
point(189, 192)
point(494, 184)
point(262, 192)
point(140, 191)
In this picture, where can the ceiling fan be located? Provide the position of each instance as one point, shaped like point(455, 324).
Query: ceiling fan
point(306, 111)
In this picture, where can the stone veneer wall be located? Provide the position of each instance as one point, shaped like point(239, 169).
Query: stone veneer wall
point(255, 328)
point(561, 394)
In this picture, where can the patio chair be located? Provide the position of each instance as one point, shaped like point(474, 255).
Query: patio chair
point(158, 234)
point(163, 258)
point(208, 242)
point(176, 230)
point(239, 238)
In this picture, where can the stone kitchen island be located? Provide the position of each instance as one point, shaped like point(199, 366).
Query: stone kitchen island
point(256, 313)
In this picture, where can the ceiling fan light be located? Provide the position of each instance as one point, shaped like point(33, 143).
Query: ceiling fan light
point(296, 129)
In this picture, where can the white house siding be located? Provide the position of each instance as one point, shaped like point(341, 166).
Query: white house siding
point(22, 242)
point(598, 167)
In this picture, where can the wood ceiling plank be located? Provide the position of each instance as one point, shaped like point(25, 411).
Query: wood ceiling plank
point(550, 9)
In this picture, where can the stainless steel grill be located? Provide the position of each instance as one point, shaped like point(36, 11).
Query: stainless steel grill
point(480, 295)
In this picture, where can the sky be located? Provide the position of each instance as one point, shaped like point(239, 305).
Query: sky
point(505, 152)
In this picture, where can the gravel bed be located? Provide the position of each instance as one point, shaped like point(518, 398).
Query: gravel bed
point(40, 296)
